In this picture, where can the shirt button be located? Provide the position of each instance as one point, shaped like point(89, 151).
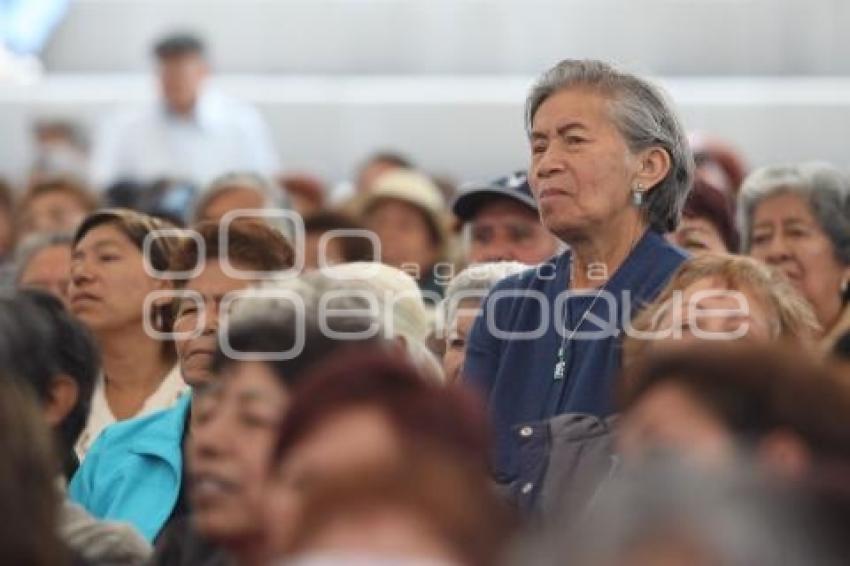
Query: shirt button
point(526, 488)
point(526, 431)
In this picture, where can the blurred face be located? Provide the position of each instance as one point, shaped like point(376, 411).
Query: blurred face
point(108, 280)
point(456, 339)
point(54, 211)
point(712, 311)
point(233, 429)
point(505, 230)
point(49, 270)
point(698, 235)
point(354, 439)
point(181, 78)
point(233, 199)
point(581, 170)
point(196, 353)
point(786, 235)
point(668, 419)
point(404, 235)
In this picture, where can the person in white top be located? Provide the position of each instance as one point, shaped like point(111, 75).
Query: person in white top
point(109, 292)
point(191, 133)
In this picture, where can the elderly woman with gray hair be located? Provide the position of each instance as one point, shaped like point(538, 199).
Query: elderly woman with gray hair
point(797, 218)
point(610, 169)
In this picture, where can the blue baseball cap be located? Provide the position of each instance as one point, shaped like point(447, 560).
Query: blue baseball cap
point(474, 195)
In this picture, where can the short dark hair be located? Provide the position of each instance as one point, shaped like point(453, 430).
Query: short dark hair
point(77, 355)
point(177, 44)
point(252, 243)
point(40, 340)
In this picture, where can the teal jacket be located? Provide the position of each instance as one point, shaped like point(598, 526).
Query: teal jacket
point(134, 469)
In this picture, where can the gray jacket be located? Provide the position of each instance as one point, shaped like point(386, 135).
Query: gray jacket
point(563, 462)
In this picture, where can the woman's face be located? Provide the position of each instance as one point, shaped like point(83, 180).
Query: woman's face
point(668, 419)
point(581, 169)
point(234, 426)
point(786, 235)
point(456, 338)
point(196, 352)
point(404, 235)
point(353, 439)
point(698, 235)
point(709, 310)
point(109, 284)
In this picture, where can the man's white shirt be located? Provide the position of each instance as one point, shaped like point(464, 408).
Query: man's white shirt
point(223, 135)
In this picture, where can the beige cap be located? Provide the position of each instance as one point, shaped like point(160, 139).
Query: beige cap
point(411, 187)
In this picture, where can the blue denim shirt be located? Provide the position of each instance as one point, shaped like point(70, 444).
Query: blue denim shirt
point(513, 345)
point(134, 469)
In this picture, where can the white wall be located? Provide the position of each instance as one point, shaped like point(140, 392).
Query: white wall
point(470, 128)
point(444, 80)
point(664, 37)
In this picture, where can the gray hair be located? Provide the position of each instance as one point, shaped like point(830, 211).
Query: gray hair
point(35, 244)
point(474, 282)
point(644, 118)
point(273, 198)
point(822, 186)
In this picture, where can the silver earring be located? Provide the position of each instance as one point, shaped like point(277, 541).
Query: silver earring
point(637, 196)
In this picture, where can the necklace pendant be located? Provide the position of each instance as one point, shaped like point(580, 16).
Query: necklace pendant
point(560, 368)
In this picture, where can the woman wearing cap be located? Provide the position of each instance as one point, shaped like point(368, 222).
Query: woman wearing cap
point(108, 292)
point(405, 210)
point(797, 219)
point(610, 169)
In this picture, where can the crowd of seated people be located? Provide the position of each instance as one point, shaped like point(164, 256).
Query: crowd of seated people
point(633, 351)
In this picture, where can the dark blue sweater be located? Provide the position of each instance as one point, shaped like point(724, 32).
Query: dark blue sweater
point(513, 345)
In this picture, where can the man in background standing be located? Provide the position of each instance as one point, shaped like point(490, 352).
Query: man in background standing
point(191, 133)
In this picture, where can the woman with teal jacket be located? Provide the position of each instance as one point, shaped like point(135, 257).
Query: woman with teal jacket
point(134, 471)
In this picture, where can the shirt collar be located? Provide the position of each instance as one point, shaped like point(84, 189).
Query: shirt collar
point(631, 274)
point(202, 115)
